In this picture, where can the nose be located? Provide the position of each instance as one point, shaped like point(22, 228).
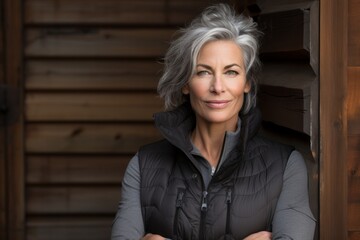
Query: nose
point(217, 84)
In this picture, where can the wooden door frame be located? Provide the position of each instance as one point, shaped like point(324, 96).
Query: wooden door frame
point(15, 166)
point(333, 119)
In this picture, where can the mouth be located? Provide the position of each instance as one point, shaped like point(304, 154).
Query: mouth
point(217, 104)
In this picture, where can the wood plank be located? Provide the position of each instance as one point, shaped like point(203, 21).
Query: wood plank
point(72, 199)
point(287, 95)
point(97, 42)
point(76, 169)
point(354, 216)
point(13, 60)
point(354, 189)
point(333, 118)
point(69, 228)
point(283, 5)
point(92, 75)
point(354, 33)
point(112, 11)
point(353, 100)
point(353, 155)
point(3, 160)
point(285, 33)
point(89, 138)
point(91, 106)
point(354, 235)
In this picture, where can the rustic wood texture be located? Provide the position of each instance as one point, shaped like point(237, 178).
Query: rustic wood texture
point(69, 228)
point(15, 130)
point(3, 165)
point(88, 169)
point(353, 116)
point(353, 100)
point(88, 138)
point(97, 42)
point(92, 106)
point(92, 75)
point(127, 12)
point(285, 32)
point(353, 235)
point(333, 119)
point(86, 200)
point(354, 33)
point(294, 83)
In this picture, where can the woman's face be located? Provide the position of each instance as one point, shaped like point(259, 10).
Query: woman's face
point(217, 87)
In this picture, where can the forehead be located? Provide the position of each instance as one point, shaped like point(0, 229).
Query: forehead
point(225, 50)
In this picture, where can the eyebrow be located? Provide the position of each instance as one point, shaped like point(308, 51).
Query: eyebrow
point(226, 67)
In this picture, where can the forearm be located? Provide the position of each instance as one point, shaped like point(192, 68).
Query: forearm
point(128, 223)
point(293, 218)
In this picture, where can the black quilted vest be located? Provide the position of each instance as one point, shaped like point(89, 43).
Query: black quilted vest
point(240, 199)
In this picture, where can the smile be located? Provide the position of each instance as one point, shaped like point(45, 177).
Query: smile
point(218, 104)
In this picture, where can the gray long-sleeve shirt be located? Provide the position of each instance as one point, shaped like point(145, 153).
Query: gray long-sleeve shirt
point(292, 220)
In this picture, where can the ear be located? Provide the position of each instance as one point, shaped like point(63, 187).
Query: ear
point(247, 87)
point(185, 90)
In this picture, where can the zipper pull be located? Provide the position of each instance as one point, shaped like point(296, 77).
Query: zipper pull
point(204, 201)
point(180, 198)
point(228, 196)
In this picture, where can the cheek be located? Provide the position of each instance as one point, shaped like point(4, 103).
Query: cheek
point(197, 89)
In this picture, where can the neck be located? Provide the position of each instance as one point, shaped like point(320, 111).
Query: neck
point(209, 139)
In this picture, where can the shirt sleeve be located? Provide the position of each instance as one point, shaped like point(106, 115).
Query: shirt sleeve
point(293, 218)
point(128, 222)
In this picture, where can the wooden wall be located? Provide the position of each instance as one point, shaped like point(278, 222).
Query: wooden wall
point(353, 119)
point(91, 69)
point(86, 72)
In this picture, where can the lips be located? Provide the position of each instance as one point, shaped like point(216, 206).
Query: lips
point(217, 104)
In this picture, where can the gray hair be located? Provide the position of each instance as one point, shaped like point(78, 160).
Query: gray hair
point(218, 22)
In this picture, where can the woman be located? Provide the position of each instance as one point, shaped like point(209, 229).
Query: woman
point(213, 176)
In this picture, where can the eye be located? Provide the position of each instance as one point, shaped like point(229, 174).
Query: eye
point(202, 73)
point(231, 73)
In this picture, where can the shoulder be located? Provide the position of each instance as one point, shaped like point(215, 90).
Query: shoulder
point(159, 147)
point(265, 146)
point(155, 153)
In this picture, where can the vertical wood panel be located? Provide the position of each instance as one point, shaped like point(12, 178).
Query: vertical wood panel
point(353, 100)
point(354, 33)
point(3, 170)
point(15, 148)
point(353, 114)
point(333, 127)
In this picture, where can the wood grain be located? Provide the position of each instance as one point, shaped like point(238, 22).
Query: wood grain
point(108, 138)
point(13, 59)
point(354, 216)
point(353, 100)
point(69, 228)
point(92, 106)
point(285, 32)
point(333, 119)
point(354, 33)
point(72, 199)
point(287, 96)
point(97, 42)
point(76, 169)
point(127, 12)
point(92, 75)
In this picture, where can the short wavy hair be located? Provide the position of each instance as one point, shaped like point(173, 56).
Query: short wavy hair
point(218, 22)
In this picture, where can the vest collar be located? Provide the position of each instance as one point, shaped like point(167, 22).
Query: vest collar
point(177, 125)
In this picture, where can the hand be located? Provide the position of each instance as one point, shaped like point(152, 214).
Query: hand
point(264, 235)
point(150, 236)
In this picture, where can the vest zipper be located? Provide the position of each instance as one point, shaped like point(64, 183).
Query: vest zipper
point(228, 203)
point(203, 215)
point(179, 200)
